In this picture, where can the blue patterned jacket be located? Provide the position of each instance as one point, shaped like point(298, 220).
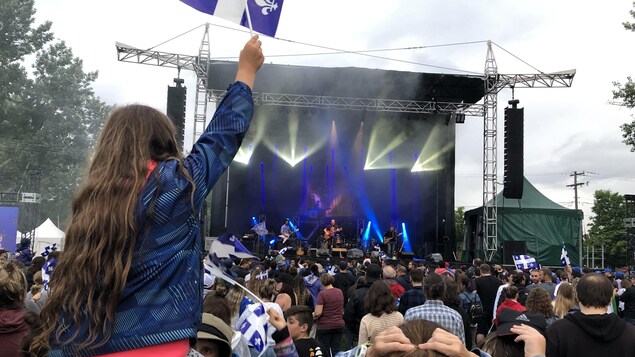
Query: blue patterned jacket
point(163, 296)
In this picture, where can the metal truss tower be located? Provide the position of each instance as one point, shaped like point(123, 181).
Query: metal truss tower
point(490, 145)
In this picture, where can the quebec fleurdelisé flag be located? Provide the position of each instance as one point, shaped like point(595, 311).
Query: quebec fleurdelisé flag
point(264, 14)
point(564, 256)
point(524, 262)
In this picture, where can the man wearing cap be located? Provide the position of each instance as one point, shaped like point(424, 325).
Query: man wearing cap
point(355, 310)
point(591, 331)
point(214, 337)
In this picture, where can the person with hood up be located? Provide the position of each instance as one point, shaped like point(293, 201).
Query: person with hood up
point(591, 331)
point(312, 281)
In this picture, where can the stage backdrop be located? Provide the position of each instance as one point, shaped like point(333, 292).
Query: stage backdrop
point(311, 165)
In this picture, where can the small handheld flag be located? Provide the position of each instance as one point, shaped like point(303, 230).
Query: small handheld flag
point(564, 256)
point(264, 14)
point(523, 262)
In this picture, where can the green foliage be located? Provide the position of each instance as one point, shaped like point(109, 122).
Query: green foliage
point(607, 226)
point(49, 118)
point(626, 93)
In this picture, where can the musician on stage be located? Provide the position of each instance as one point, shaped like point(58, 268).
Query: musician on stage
point(285, 232)
point(390, 241)
point(331, 233)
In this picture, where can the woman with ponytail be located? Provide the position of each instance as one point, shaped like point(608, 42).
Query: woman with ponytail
point(130, 279)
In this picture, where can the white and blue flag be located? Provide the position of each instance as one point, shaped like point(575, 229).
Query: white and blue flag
point(564, 256)
point(524, 262)
point(253, 324)
point(265, 14)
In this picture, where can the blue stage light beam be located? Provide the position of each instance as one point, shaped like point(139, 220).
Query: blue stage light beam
point(406, 239)
point(366, 235)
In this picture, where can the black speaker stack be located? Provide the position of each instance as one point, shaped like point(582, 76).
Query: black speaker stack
point(514, 142)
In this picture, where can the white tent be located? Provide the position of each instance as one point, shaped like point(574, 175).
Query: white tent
point(47, 234)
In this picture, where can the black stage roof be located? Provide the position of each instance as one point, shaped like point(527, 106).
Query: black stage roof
point(354, 82)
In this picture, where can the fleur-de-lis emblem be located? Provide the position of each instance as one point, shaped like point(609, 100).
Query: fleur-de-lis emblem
point(268, 6)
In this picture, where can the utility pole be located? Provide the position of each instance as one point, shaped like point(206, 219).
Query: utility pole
point(575, 185)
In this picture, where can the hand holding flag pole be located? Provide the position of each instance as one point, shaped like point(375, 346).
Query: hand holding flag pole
point(251, 27)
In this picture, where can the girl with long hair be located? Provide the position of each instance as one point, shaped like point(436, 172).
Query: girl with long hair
point(539, 301)
point(565, 300)
point(302, 295)
point(382, 312)
point(130, 278)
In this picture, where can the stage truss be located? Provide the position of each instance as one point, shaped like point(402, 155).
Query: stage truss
point(493, 82)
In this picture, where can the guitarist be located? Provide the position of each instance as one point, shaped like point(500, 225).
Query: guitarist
point(390, 240)
point(285, 232)
point(331, 232)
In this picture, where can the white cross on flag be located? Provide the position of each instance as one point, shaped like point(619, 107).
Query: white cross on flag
point(524, 262)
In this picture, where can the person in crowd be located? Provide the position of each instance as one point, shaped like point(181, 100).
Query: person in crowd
point(505, 278)
point(234, 298)
point(300, 322)
point(486, 286)
point(451, 299)
point(302, 295)
point(13, 326)
point(511, 301)
point(413, 297)
point(213, 337)
point(546, 282)
point(539, 301)
point(312, 280)
point(382, 312)
point(284, 287)
point(434, 310)
point(591, 331)
point(355, 310)
point(475, 269)
point(389, 276)
point(329, 309)
point(344, 279)
point(36, 266)
point(535, 277)
point(403, 278)
point(133, 234)
point(505, 341)
point(565, 300)
point(218, 307)
point(628, 298)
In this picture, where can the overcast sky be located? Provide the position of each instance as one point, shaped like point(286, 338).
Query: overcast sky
point(566, 129)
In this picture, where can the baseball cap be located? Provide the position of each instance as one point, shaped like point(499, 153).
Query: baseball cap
point(509, 318)
point(213, 328)
point(285, 278)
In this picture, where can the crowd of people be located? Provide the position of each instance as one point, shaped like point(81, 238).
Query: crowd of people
point(130, 281)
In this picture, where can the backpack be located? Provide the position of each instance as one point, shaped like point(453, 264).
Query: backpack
point(474, 308)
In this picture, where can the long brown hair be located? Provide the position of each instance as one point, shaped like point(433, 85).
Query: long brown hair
point(565, 300)
point(379, 299)
point(540, 302)
point(102, 230)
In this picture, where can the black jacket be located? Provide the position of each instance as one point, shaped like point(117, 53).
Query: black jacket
point(628, 297)
point(355, 310)
point(344, 281)
point(579, 335)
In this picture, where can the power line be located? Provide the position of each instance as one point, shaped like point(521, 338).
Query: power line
point(337, 50)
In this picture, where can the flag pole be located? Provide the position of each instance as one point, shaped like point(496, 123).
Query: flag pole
point(251, 28)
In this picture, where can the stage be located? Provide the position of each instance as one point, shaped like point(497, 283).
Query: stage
point(367, 170)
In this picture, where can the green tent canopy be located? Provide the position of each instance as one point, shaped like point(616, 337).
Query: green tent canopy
point(533, 221)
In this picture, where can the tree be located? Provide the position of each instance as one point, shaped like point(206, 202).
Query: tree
point(48, 120)
point(626, 94)
point(607, 226)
